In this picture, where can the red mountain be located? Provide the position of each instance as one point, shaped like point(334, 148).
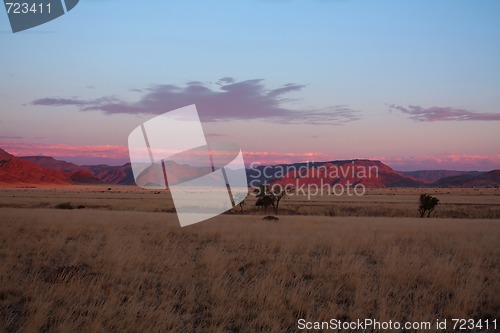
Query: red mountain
point(14, 170)
point(41, 170)
point(75, 173)
point(83, 176)
point(4, 155)
point(366, 172)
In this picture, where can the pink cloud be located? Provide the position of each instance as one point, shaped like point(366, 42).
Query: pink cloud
point(110, 154)
point(448, 162)
point(283, 158)
point(118, 155)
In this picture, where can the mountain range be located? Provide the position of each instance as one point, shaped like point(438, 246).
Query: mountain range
point(47, 170)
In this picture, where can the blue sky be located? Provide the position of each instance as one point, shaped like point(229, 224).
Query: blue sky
point(418, 82)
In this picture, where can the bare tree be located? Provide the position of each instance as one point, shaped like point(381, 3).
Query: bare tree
point(241, 198)
point(279, 193)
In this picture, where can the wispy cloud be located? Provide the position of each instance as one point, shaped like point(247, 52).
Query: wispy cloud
point(273, 158)
point(446, 161)
point(83, 104)
point(19, 148)
point(224, 100)
point(436, 113)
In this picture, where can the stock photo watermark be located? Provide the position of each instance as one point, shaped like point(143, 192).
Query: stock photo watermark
point(310, 180)
point(171, 151)
point(27, 14)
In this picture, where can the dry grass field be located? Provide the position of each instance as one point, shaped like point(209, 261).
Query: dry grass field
point(121, 263)
point(395, 202)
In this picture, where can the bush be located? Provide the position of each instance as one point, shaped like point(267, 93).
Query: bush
point(427, 204)
point(64, 205)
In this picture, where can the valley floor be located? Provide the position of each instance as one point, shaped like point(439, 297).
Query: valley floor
point(118, 265)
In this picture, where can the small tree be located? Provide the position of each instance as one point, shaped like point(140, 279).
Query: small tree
point(427, 204)
point(265, 201)
point(270, 196)
point(279, 192)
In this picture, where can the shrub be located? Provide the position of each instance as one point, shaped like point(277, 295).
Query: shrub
point(427, 204)
point(64, 205)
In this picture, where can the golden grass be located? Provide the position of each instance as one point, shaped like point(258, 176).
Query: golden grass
point(454, 203)
point(96, 270)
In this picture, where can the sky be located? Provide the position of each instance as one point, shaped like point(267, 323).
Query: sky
point(415, 84)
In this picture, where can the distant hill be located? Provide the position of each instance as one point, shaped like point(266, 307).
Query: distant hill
point(75, 173)
point(121, 175)
point(486, 179)
point(432, 176)
point(47, 170)
point(83, 176)
point(52, 163)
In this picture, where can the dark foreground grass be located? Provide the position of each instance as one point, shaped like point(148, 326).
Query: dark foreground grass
point(106, 271)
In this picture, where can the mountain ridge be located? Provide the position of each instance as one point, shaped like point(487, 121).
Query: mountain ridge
point(48, 170)
point(15, 170)
point(435, 175)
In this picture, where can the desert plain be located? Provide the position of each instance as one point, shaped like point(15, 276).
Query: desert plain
point(114, 259)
